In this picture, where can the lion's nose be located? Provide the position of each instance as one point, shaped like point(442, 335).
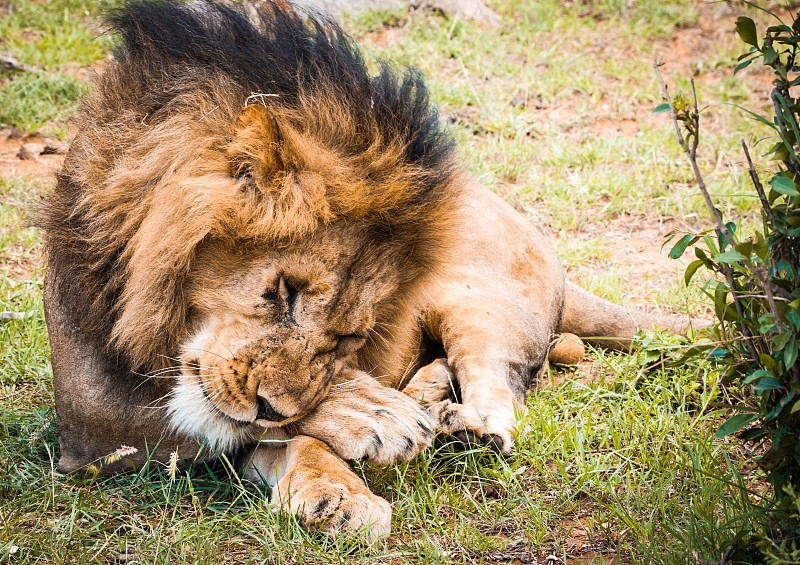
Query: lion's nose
point(267, 412)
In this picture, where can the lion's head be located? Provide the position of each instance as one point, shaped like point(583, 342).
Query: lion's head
point(243, 207)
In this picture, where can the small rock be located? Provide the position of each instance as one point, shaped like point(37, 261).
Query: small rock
point(30, 151)
point(55, 147)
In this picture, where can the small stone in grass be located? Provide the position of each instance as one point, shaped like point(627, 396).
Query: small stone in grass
point(30, 151)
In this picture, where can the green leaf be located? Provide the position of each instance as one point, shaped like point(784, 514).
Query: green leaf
point(720, 302)
point(770, 55)
point(755, 116)
point(790, 353)
point(661, 108)
point(767, 362)
point(691, 270)
point(734, 423)
point(746, 28)
point(761, 247)
point(745, 248)
point(740, 66)
point(752, 53)
point(780, 28)
point(784, 186)
point(730, 256)
point(780, 340)
point(760, 374)
point(768, 383)
point(679, 248)
point(753, 434)
point(795, 408)
point(778, 152)
point(710, 245)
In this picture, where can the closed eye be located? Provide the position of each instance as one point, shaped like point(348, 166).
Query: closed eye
point(353, 336)
point(351, 341)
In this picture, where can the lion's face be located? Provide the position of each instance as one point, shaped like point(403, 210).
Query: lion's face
point(270, 328)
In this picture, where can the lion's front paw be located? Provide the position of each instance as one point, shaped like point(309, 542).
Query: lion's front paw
point(362, 419)
point(432, 383)
point(333, 500)
point(493, 425)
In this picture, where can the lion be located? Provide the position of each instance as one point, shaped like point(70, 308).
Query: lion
point(258, 248)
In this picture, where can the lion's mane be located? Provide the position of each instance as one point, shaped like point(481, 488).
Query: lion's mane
point(151, 172)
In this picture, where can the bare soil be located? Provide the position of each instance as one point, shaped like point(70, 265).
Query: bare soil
point(11, 165)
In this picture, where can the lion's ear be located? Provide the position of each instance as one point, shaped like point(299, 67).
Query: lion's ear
point(256, 145)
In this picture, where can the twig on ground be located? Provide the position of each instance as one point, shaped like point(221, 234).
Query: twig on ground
point(5, 316)
point(727, 556)
point(11, 63)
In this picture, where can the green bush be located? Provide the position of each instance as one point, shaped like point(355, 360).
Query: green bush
point(756, 294)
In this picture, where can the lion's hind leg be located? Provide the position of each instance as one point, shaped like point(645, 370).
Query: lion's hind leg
point(308, 479)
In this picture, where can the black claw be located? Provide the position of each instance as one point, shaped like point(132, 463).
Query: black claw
point(424, 427)
point(467, 437)
point(319, 509)
point(494, 442)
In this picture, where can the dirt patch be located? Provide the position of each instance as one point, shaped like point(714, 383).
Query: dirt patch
point(86, 73)
point(385, 36)
point(607, 126)
point(11, 165)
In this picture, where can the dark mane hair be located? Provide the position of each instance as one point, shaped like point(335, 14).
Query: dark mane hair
point(155, 166)
point(276, 50)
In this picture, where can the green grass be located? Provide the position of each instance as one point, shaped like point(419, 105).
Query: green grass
point(38, 100)
point(52, 37)
point(618, 462)
point(47, 34)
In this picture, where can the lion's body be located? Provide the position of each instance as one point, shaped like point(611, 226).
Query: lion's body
point(251, 238)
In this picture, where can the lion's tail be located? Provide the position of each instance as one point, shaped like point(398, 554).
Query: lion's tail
point(604, 324)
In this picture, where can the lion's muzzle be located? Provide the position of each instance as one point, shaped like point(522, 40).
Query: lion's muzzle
point(269, 381)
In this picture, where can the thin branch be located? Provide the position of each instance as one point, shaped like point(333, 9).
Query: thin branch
point(11, 63)
point(672, 113)
point(696, 123)
point(763, 274)
point(759, 187)
point(722, 229)
point(691, 153)
point(748, 338)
